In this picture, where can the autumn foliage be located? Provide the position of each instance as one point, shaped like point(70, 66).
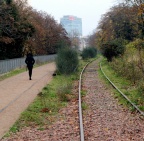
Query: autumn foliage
point(120, 38)
point(14, 30)
point(23, 29)
point(122, 22)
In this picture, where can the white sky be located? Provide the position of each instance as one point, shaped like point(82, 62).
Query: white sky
point(89, 10)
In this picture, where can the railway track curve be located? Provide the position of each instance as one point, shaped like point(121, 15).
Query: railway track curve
point(110, 107)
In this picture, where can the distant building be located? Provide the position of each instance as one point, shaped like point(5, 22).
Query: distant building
point(83, 43)
point(72, 24)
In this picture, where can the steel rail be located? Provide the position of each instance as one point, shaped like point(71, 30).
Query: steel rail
point(80, 108)
point(141, 112)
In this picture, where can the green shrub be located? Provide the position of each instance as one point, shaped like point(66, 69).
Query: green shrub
point(130, 64)
point(67, 61)
point(112, 49)
point(89, 52)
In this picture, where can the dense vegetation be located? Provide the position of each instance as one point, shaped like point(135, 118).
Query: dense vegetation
point(113, 48)
point(23, 29)
point(67, 61)
point(89, 52)
point(120, 38)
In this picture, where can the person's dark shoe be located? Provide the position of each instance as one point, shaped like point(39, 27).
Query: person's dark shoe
point(30, 79)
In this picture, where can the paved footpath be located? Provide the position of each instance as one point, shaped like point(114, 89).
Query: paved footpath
point(17, 92)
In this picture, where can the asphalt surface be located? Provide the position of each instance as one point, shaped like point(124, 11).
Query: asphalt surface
point(17, 92)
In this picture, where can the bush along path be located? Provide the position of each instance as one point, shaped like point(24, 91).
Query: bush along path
point(104, 119)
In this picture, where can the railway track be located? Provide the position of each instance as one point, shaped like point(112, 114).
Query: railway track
point(90, 69)
point(80, 107)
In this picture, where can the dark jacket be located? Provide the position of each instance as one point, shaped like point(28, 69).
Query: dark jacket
point(30, 61)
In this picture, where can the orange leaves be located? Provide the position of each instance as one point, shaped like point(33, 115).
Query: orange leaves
point(48, 32)
point(141, 9)
point(6, 40)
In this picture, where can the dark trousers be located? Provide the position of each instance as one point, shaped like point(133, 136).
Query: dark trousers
point(30, 71)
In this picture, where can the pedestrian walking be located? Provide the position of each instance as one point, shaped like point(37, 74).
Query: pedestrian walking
point(30, 62)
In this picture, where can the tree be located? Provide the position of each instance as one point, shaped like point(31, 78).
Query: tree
point(112, 49)
point(137, 7)
point(55, 34)
point(23, 29)
point(14, 31)
point(49, 35)
point(117, 24)
point(92, 40)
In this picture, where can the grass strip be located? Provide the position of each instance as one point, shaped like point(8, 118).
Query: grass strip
point(129, 89)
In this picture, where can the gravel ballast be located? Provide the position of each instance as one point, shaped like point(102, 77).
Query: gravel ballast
point(104, 118)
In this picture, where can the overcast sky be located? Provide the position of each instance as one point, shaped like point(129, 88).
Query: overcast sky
point(89, 10)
